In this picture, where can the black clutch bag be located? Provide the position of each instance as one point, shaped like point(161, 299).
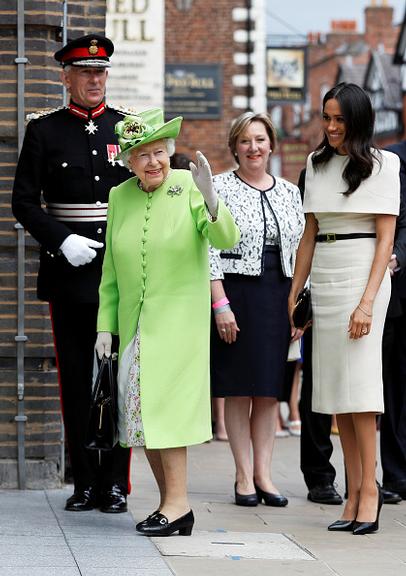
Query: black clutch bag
point(302, 313)
point(102, 432)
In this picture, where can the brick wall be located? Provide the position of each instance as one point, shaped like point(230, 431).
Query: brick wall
point(203, 35)
point(43, 89)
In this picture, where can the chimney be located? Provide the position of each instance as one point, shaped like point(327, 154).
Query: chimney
point(378, 25)
point(343, 26)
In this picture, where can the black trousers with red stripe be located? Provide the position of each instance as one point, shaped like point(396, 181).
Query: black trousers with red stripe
point(74, 328)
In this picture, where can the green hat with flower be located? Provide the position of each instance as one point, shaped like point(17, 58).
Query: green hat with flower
point(145, 127)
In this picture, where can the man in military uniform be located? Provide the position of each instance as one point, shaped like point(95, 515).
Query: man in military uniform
point(68, 157)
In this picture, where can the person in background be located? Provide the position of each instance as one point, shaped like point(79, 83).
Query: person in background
point(68, 157)
point(155, 295)
point(291, 426)
point(250, 286)
point(180, 161)
point(393, 421)
point(351, 203)
point(316, 447)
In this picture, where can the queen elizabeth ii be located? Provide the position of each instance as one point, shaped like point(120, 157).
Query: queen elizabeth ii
point(155, 294)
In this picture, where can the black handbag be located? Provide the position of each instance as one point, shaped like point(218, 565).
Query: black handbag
point(302, 313)
point(102, 432)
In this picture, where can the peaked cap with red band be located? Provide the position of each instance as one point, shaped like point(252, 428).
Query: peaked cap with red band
point(91, 50)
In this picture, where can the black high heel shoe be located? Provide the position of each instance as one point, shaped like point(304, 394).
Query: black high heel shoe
point(245, 499)
point(159, 525)
point(369, 527)
point(342, 526)
point(270, 499)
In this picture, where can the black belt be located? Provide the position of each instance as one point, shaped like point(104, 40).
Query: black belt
point(332, 237)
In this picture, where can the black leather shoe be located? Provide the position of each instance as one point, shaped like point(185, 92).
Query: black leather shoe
point(270, 499)
point(114, 501)
point(397, 487)
point(245, 499)
point(390, 497)
point(369, 527)
point(342, 526)
point(82, 500)
point(145, 522)
point(324, 494)
point(158, 525)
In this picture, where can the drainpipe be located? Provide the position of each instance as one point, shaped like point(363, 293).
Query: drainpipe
point(21, 338)
point(64, 39)
point(64, 100)
point(248, 49)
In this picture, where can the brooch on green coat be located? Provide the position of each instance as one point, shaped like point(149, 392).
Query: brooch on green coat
point(175, 190)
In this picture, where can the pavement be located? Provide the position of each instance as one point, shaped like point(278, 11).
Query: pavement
point(38, 538)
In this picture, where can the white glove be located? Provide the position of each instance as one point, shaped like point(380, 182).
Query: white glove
point(103, 344)
point(204, 181)
point(78, 250)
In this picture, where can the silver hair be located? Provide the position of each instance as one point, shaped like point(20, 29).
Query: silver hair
point(170, 148)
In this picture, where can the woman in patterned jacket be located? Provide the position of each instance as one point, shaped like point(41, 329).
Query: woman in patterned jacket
point(250, 287)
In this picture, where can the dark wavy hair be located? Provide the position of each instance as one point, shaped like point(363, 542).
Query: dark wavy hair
point(359, 118)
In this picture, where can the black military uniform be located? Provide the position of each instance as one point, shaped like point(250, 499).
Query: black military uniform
point(68, 156)
point(316, 447)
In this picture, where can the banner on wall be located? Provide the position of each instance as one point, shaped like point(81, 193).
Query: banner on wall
point(286, 74)
point(136, 77)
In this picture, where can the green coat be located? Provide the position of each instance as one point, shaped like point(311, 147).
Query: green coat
point(156, 274)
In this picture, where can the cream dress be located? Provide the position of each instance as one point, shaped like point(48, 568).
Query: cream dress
point(347, 374)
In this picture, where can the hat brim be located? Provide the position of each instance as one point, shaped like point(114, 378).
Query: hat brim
point(89, 63)
point(170, 129)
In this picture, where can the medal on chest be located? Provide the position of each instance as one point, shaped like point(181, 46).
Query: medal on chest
point(91, 127)
point(112, 151)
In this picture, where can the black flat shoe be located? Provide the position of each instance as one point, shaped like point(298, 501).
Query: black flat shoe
point(158, 525)
point(342, 526)
point(245, 499)
point(82, 500)
point(361, 528)
point(145, 522)
point(271, 499)
point(114, 501)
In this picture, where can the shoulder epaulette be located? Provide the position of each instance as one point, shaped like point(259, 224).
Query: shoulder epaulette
point(43, 113)
point(124, 110)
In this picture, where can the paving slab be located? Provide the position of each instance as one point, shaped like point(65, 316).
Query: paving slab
point(40, 571)
point(228, 567)
point(367, 568)
point(234, 545)
point(127, 572)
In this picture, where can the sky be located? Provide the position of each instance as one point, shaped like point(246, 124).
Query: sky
point(303, 16)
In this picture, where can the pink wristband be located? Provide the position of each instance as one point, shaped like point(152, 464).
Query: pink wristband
point(221, 302)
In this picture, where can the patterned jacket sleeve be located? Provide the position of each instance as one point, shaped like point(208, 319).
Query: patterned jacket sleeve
point(216, 269)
